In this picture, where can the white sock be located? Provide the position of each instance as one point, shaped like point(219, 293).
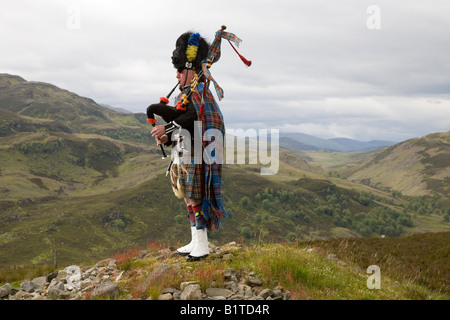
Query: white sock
point(191, 245)
point(201, 249)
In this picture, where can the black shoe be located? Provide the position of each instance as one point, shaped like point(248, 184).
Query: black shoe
point(178, 253)
point(193, 259)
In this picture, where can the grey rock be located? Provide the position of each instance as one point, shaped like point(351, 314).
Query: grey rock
point(64, 295)
point(23, 295)
point(341, 263)
point(265, 293)
point(27, 286)
point(357, 269)
point(256, 281)
point(107, 288)
point(62, 275)
point(177, 295)
point(165, 296)
point(35, 284)
point(55, 284)
point(38, 297)
point(112, 264)
point(85, 284)
point(212, 292)
point(229, 273)
point(54, 293)
point(332, 257)
point(191, 292)
point(277, 294)
point(244, 288)
point(5, 290)
point(183, 285)
point(256, 298)
point(39, 283)
point(56, 289)
point(233, 287)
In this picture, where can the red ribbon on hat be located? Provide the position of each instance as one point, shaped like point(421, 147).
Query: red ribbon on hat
point(248, 63)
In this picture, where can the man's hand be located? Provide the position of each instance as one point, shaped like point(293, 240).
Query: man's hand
point(159, 132)
point(163, 140)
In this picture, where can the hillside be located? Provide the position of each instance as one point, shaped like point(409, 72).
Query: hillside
point(416, 167)
point(411, 268)
point(55, 143)
point(42, 106)
point(80, 181)
point(301, 141)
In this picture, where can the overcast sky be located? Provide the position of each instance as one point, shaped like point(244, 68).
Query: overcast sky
point(355, 68)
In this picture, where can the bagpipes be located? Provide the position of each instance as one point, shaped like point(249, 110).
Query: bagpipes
point(170, 113)
point(167, 113)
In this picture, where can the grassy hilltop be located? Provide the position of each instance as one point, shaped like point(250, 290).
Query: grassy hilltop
point(410, 268)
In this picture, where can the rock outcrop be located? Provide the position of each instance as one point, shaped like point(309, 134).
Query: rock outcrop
point(103, 280)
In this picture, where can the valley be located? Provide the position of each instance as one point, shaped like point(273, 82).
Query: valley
point(79, 182)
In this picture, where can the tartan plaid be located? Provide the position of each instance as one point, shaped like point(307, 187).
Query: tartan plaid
point(192, 178)
point(203, 181)
point(214, 49)
point(214, 56)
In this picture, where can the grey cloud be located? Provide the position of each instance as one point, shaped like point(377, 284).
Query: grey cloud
point(315, 67)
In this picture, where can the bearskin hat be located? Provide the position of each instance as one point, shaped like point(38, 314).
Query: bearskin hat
point(189, 52)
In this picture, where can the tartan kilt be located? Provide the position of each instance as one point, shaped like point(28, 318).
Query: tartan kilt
point(192, 178)
point(202, 181)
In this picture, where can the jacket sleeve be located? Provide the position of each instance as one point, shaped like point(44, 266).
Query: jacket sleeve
point(185, 120)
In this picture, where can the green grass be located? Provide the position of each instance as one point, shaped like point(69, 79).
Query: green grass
point(16, 276)
point(311, 276)
point(420, 258)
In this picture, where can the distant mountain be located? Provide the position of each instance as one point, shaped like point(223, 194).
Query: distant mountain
point(122, 110)
point(311, 142)
point(419, 166)
point(301, 141)
point(294, 144)
point(355, 145)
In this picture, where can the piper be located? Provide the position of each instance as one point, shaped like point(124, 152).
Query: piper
point(197, 181)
